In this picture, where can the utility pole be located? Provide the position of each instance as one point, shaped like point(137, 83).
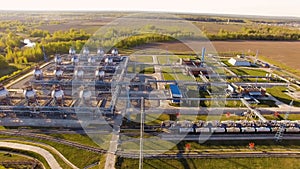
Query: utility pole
point(141, 132)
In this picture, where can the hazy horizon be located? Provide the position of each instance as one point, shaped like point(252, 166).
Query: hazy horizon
point(288, 8)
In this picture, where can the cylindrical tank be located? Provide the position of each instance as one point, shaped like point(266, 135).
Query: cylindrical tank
point(57, 93)
point(29, 93)
point(114, 52)
point(86, 51)
point(38, 74)
point(4, 94)
point(57, 59)
point(100, 73)
point(108, 60)
point(85, 94)
point(79, 73)
point(72, 51)
point(58, 72)
point(91, 59)
point(100, 51)
point(75, 59)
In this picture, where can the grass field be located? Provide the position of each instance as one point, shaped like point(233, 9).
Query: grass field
point(27, 153)
point(8, 70)
point(175, 74)
point(278, 93)
point(79, 138)
point(11, 157)
point(78, 157)
point(140, 69)
point(281, 117)
point(250, 72)
point(142, 59)
point(173, 58)
point(231, 163)
point(57, 157)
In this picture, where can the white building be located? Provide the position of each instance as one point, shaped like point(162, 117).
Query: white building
point(239, 62)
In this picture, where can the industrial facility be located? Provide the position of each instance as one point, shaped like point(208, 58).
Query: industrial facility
point(94, 89)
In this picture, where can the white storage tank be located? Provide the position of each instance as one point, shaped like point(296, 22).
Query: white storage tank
point(115, 52)
point(57, 59)
point(79, 74)
point(100, 73)
point(57, 93)
point(75, 59)
point(85, 95)
point(29, 93)
point(91, 59)
point(108, 61)
point(58, 72)
point(4, 94)
point(38, 74)
point(72, 51)
point(86, 51)
point(100, 52)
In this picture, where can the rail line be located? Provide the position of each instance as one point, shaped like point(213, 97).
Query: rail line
point(57, 140)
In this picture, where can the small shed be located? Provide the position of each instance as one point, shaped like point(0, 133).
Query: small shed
point(239, 62)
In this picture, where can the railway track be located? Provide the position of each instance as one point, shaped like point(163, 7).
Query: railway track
point(57, 140)
point(211, 155)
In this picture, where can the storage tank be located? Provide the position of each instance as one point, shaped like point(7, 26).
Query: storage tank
point(58, 73)
point(91, 60)
point(30, 94)
point(100, 74)
point(86, 51)
point(108, 61)
point(4, 94)
point(58, 94)
point(100, 52)
point(79, 74)
point(115, 52)
point(75, 59)
point(85, 95)
point(57, 59)
point(72, 51)
point(37, 73)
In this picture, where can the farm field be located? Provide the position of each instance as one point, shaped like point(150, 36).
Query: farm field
point(282, 52)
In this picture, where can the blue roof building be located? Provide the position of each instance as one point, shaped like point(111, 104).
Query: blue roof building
point(175, 93)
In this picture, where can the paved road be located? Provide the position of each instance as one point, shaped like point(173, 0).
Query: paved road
point(56, 152)
point(46, 154)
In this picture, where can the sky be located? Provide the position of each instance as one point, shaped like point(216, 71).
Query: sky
point(244, 7)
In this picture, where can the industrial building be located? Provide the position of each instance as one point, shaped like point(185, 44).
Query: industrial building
point(175, 93)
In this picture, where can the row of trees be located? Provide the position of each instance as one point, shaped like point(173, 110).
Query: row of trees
point(60, 41)
point(260, 33)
